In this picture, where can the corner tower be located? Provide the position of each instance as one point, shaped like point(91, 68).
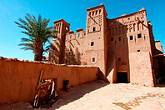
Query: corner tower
point(96, 37)
point(56, 53)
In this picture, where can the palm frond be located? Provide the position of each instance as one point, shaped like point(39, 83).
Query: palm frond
point(27, 48)
point(26, 44)
point(27, 40)
point(47, 48)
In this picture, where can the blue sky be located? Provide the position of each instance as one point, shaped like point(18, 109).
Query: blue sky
point(72, 11)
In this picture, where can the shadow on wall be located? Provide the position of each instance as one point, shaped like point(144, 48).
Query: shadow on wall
point(75, 93)
point(54, 52)
point(70, 57)
point(117, 49)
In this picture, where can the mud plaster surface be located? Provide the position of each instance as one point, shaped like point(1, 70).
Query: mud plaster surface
point(99, 95)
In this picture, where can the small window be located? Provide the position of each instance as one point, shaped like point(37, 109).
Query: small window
point(119, 38)
point(139, 36)
point(128, 18)
point(131, 37)
point(94, 29)
point(119, 59)
point(93, 13)
point(96, 12)
point(112, 39)
point(79, 35)
point(92, 43)
point(118, 21)
point(144, 37)
point(89, 13)
point(93, 59)
point(138, 50)
point(111, 22)
point(53, 48)
point(99, 11)
point(71, 37)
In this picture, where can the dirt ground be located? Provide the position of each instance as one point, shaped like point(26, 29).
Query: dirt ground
point(99, 95)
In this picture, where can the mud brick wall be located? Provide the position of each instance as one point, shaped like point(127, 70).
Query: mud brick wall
point(18, 79)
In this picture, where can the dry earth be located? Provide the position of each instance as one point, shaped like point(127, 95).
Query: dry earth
point(99, 95)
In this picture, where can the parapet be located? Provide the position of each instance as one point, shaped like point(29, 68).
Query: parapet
point(143, 9)
point(78, 30)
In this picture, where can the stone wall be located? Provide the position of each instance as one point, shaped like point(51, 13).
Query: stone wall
point(19, 78)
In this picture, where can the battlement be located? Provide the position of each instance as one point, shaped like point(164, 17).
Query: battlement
point(128, 19)
point(96, 10)
point(80, 34)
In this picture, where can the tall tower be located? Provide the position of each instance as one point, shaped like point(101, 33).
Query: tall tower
point(139, 46)
point(96, 37)
point(56, 53)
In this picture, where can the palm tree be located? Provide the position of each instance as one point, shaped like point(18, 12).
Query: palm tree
point(38, 33)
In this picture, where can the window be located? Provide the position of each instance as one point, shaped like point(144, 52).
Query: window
point(144, 37)
point(99, 11)
point(94, 29)
point(96, 12)
point(71, 37)
point(112, 23)
point(119, 59)
point(131, 37)
point(112, 39)
point(93, 13)
point(93, 59)
point(139, 36)
point(119, 38)
point(79, 35)
point(89, 13)
point(92, 43)
point(133, 27)
point(128, 18)
point(138, 50)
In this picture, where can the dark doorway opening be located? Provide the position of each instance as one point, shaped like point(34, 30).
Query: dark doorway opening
point(122, 77)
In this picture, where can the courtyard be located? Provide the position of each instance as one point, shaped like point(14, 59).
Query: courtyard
point(100, 95)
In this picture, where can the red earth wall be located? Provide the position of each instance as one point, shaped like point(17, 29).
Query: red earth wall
point(19, 78)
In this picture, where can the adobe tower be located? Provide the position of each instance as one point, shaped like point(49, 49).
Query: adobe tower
point(96, 38)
